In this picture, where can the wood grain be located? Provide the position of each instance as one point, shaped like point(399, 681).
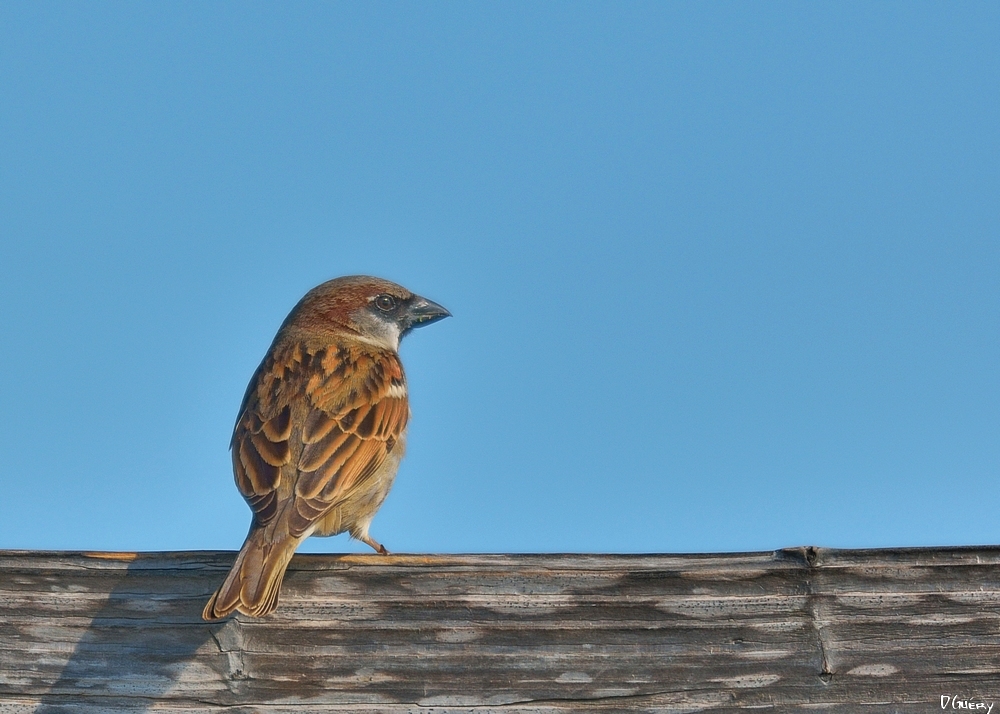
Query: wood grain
point(803, 628)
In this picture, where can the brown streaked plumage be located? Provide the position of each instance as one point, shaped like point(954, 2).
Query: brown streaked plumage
point(321, 430)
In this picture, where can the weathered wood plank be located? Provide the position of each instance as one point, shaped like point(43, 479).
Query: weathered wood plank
point(841, 631)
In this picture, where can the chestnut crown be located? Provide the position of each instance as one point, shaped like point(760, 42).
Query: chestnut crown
point(374, 309)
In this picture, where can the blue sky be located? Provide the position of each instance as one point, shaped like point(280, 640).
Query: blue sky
point(724, 276)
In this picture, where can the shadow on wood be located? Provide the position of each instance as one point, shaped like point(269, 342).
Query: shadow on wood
point(845, 631)
point(131, 630)
point(133, 647)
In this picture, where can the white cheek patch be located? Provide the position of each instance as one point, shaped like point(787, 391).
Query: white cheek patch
point(378, 332)
point(390, 334)
point(396, 391)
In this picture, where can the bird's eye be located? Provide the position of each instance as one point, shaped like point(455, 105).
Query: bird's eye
point(385, 303)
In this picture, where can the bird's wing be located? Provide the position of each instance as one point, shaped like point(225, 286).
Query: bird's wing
point(355, 411)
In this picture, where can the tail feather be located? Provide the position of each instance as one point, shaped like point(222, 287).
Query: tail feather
point(254, 582)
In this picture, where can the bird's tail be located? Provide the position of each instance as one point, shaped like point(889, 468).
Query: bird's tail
point(254, 581)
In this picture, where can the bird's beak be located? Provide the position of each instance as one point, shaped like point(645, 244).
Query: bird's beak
point(422, 311)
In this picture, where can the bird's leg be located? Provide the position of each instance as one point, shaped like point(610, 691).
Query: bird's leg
point(379, 548)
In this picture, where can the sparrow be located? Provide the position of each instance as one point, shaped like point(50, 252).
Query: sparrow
point(321, 430)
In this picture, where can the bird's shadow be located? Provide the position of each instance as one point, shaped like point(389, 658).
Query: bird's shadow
point(140, 646)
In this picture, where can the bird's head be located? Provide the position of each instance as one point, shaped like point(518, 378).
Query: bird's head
point(370, 308)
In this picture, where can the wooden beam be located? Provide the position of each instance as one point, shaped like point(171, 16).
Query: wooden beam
point(837, 630)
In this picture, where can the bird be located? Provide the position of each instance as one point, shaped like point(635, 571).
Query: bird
point(321, 430)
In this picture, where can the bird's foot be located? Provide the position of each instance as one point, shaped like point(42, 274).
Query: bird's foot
point(376, 546)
